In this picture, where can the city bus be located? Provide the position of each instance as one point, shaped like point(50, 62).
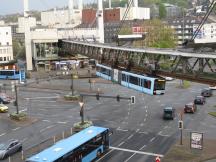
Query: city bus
point(12, 74)
point(84, 146)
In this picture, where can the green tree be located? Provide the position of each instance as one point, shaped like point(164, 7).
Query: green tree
point(162, 11)
point(18, 49)
point(158, 35)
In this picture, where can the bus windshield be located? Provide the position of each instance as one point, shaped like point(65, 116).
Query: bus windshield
point(159, 84)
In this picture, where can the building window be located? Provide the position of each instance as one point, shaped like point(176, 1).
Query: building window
point(1, 59)
point(6, 33)
point(8, 43)
point(4, 58)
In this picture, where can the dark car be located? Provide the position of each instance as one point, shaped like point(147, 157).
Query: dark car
point(168, 113)
point(10, 147)
point(206, 92)
point(200, 100)
point(190, 108)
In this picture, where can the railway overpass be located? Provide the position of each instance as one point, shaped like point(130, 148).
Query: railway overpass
point(196, 67)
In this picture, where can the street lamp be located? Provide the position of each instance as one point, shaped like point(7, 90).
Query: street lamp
point(72, 88)
point(81, 103)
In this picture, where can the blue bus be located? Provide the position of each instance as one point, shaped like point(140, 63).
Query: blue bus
point(146, 84)
point(84, 146)
point(12, 74)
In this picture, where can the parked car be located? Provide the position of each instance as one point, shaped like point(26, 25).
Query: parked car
point(3, 108)
point(199, 100)
point(206, 92)
point(190, 108)
point(10, 147)
point(4, 100)
point(168, 113)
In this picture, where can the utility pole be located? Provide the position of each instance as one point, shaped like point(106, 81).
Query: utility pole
point(72, 88)
point(16, 102)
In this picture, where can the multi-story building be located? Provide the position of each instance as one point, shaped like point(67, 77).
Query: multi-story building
point(183, 27)
point(6, 49)
point(172, 10)
point(116, 14)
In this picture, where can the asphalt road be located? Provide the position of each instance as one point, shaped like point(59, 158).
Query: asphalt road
point(139, 132)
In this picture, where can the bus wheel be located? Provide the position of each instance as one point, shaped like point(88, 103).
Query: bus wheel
point(98, 153)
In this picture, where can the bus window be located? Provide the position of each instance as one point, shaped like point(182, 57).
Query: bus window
point(147, 84)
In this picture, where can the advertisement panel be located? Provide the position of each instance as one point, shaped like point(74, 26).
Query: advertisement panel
point(196, 140)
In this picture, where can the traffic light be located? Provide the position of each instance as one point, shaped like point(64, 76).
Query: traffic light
point(118, 98)
point(132, 99)
point(180, 124)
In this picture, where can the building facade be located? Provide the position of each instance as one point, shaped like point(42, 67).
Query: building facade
point(183, 27)
point(6, 49)
point(207, 33)
point(116, 14)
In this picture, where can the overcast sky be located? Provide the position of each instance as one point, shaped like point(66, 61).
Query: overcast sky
point(14, 6)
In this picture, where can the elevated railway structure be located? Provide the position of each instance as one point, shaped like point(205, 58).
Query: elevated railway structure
point(196, 67)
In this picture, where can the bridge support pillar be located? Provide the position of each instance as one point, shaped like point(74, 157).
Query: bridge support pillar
point(201, 65)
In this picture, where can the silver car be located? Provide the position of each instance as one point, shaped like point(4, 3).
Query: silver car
point(10, 147)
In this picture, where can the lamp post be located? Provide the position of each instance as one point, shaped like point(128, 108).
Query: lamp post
point(81, 103)
point(89, 74)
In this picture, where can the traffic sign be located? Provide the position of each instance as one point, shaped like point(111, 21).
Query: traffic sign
point(157, 159)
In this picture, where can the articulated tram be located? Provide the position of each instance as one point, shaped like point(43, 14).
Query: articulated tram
point(146, 84)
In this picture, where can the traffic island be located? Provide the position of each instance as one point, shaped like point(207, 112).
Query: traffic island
point(80, 126)
point(71, 98)
point(18, 117)
point(183, 153)
point(212, 114)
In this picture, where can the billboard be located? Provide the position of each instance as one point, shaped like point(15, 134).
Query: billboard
point(196, 140)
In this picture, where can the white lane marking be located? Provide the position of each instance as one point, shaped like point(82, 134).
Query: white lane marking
point(141, 124)
point(104, 155)
point(124, 130)
point(16, 128)
point(142, 147)
point(43, 101)
point(130, 157)
point(152, 139)
point(121, 143)
point(130, 136)
point(146, 115)
point(160, 132)
point(61, 122)
point(146, 111)
point(2, 134)
point(46, 121)
point(23, 140)
point(35, 98)
point(144, 119)
point(145, 107)
point(144, 132)
point(165, 127)
point(23, 110)
point(137, 130)
point(48, 127)
point(164, 135)
point(137, 152)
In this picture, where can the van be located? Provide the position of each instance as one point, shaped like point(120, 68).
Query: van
point(206, 92)
point(169, 113)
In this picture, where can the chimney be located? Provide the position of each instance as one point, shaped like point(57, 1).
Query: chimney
point(26, 7)
point(70, 10)
point(80, 6)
